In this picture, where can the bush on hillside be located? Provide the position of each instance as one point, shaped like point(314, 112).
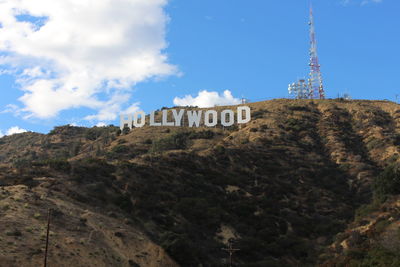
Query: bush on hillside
point(258, 113)
point(299, 108)
point(92, 169)
point(173, 141)
point(205, 134)
point(58, 164)
point(388, 182)
point(93, 133)
point(181, 248)
point(97, 132)
point(120, 149)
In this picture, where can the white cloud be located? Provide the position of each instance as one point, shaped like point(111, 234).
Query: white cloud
point(11, 108)
point(206, 99)
point(101, 124)
point(12, 130)
point(108, 110)
point(15, 130)
point(132, 109)
point(69, 52)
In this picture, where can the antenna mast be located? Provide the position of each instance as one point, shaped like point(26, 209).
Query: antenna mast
point(315, 80)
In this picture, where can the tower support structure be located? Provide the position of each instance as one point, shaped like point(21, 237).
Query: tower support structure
point(315, 79)
point(313, 88)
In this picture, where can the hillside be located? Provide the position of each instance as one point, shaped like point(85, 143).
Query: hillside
point(292, 188)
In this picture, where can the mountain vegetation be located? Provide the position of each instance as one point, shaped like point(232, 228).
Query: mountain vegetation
point(305, 183)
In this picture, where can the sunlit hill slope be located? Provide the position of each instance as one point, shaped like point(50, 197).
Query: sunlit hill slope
point(291, 188)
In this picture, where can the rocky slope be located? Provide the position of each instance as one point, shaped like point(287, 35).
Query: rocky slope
point(283, 187)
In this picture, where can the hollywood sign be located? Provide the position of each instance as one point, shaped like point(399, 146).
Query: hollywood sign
point(195, 118)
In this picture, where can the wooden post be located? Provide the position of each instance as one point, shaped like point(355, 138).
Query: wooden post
point(47, 237)
point(230, 250)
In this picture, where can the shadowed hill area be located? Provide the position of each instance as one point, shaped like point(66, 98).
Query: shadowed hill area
point(285, 187)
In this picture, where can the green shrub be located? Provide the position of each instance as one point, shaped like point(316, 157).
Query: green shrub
point(258, 113)
point(295, 125)
point(181, 248)
point(126, 130)
point(205, 134)
point(59, 164)
point(365, 210)
point(56, 164)
point(120, 149)
point(148, 141)
point(396, 140)
point(392, 159)
point(123, 202)
point(381, 226)
point(375, 143)
point(234, 127)
point(173, 141)
point(388, 182)
point(374, 257)
point(299, 108)
point(244, 141)
point(92, 169)
point(219, 149)
point(199, 211)
point(121, 141)
point(22, 163)
point(93, 133)
point(14, 233)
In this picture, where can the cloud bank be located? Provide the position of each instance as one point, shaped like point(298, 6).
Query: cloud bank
point(206, 99)
point(70, 54)
point(13, 130)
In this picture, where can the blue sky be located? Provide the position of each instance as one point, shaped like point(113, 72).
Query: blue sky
point(178, 48)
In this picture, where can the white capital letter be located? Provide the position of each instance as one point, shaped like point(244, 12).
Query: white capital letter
point(240, 118)
point(142, 119)
point(231, 120)
point(152, 122)
point(207, 118)
point(194, 117)
point(178, 116)
point(123, 121)
point(165, 121)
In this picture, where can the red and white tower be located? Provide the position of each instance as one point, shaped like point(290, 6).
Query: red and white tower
point(313, 87)
point(315, 81)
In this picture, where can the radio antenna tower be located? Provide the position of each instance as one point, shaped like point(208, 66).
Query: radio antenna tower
point(315, 80)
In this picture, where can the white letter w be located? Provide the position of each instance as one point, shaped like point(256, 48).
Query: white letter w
point(194, 118)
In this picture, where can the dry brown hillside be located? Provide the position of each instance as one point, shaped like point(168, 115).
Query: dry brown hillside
point(282, 186)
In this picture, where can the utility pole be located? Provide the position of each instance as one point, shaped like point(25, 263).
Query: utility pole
point(47, 237)
point(230, 250)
